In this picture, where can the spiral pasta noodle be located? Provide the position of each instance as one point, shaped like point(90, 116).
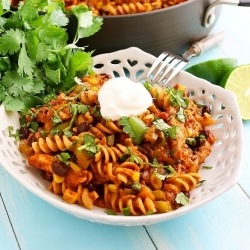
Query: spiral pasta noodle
point(123, 7)
point(53, 144)
point(119, 7)
point(93, 161)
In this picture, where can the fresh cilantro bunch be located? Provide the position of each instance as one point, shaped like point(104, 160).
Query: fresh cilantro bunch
point(35, 58)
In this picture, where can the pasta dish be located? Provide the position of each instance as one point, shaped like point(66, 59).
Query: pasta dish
point(123, 7)
point(135, 165)
point(119, 7)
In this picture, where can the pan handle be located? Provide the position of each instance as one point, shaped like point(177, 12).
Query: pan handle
point(244, 3)
point(210, 16)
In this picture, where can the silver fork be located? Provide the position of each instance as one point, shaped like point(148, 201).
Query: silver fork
point(168, 64)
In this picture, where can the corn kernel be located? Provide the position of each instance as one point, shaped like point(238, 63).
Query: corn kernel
point(70, 196)
point(113, 188)
point(136, 176)
point(181, 88)
point(95, 89)
point(74, 166)
point(189, 132)
point(163, 206)
point(58, 179)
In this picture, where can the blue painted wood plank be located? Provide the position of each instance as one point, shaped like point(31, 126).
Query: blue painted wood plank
point(234, 20)
point(244, 181)
point(7, 236)
point(38, 225)
point(223, 224)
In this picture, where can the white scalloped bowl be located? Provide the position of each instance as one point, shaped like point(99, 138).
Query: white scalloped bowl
point(226, 156)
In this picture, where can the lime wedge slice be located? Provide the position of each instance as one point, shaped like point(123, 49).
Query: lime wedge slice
point(213, 70)
point(238, 82)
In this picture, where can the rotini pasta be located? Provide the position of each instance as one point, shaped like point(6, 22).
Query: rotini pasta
point(119, 7)
point(123, 7)
point(93, 161)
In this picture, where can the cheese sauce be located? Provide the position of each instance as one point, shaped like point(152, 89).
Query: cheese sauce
point(120, 97)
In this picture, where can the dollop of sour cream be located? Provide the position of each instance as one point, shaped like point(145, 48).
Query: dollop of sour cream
point(120, 97)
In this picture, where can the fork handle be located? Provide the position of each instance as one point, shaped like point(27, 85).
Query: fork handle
point(206, 43)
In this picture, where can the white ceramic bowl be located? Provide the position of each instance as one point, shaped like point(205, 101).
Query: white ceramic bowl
point(226, 156)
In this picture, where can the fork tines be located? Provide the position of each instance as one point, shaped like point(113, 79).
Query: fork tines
point(166, 66)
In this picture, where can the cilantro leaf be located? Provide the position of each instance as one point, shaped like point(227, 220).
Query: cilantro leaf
point(168, 130)
point(177, 98)
point(181, 116)
point(89, 145)
point(110, 212)
point(58, 18)
point(80, 61)
point(207, 167)
point(161, 125)
point(55, 37)
point(82, 108)
point(12, 103)
point(182, 199)
point(10, 42)
point(136, 185)
point(15, 135)
point(56, 119)
point(172, 132)
point(64, 157)
point(126, 211)
point(24, 62)
point(5, 5)
point(127, 128)
point(15, 86)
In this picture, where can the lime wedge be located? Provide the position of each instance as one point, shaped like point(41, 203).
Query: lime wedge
point(238, 82)
point(213, 70)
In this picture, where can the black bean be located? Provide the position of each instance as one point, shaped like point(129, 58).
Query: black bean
point(83, 127)
point(98, 188)
point(59, 168)
point(24, 132)
point(206, 109)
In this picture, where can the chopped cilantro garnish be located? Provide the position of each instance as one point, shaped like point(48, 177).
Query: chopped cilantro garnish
point(170, 170)
point(127, 128)
point(181, 116)
point(15, 135)
point(160, 124)
point(176, 98)
point(149, 212)
point(64, 157)
point(33, 126)
point(201, 182)
point(168, 130)
point(147, 85)
point(182, 199)
point(136, 185)
point(172, 132)
point(126, 211)
point(207, 167)
point(56, 119)
point(110, 212)
point(89, 145)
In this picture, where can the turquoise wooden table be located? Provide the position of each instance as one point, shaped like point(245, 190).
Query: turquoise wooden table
point(29, 223)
